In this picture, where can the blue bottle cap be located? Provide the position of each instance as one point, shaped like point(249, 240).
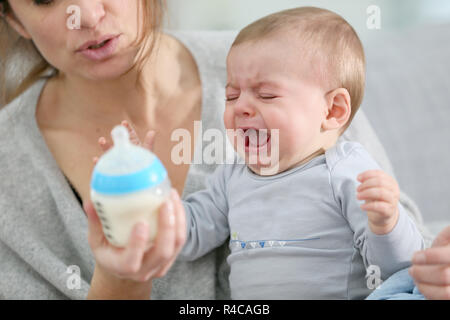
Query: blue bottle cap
point(126, 168)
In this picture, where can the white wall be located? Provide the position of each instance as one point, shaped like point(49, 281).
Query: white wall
point(234, 14)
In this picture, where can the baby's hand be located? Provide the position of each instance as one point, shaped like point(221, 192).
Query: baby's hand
point(381, 193)
point(148, 141)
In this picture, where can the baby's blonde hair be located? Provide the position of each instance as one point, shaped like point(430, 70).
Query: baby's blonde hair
point(333, 48)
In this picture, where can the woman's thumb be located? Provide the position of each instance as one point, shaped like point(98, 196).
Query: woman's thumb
point(443, 238)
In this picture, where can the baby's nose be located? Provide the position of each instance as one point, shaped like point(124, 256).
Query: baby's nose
point(244, 108)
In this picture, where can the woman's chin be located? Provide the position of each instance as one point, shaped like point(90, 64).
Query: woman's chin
point(111, 69)
point(105, 73)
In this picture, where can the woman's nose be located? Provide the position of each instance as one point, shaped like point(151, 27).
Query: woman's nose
point(92, 13)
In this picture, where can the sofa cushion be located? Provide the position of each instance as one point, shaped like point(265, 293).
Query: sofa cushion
point(407, 101)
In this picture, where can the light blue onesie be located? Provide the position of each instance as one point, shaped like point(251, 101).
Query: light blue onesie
point(299, 234)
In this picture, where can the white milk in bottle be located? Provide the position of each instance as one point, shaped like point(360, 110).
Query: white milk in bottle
point(128, 185)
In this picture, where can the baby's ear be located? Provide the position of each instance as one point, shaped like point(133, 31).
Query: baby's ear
point(338, 109)
point(16, 25)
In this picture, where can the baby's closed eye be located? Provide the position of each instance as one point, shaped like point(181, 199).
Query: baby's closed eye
point(266, 96)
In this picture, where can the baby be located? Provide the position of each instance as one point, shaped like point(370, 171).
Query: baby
point(298, 226)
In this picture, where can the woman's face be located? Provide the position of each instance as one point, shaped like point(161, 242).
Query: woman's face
point(45, 22)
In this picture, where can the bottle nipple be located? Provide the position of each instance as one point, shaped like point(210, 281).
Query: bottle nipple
point(120, 136)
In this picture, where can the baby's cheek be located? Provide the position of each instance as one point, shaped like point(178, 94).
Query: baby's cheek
point(292, 142)
point(228, 118)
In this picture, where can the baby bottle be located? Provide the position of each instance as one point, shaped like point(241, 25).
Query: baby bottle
point(128, 185)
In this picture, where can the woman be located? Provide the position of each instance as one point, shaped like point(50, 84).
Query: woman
point(431, 268)
point(118, 65)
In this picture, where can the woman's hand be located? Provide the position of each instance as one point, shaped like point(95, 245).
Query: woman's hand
point(127, 272)
point(133, 262)
point(382, 194)
point(431, 268)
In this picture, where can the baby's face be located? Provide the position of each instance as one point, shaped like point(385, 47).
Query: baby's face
point(270, 87)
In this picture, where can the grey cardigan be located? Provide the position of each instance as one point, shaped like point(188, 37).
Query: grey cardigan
point(43, 230)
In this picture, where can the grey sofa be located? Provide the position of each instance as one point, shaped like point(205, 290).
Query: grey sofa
point(407, 101)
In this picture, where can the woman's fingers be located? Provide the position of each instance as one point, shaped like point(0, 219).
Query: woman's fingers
point(165, 240)
point(431, 268)
point(431, 274)
point(164, 244)
point(443, 238)
point(434, 292)
point(180, 221)
point(433, 255)
point(135, 249)
point(180, 231)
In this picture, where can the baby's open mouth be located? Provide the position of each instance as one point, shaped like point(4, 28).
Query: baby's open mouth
point(256, 138)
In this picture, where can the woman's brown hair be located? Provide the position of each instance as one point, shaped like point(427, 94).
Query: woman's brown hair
point(13, 47)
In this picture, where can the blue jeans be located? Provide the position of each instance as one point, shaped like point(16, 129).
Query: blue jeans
point(399, 286)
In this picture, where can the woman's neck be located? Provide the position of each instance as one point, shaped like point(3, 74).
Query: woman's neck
point(139, 100)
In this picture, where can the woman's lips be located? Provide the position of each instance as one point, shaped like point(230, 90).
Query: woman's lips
point(100, 49)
